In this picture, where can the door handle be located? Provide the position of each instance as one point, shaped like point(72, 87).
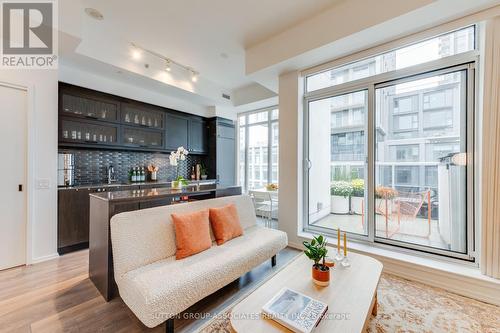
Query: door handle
point(20, 187)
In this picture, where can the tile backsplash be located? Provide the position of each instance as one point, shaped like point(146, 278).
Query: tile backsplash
point(91, 165)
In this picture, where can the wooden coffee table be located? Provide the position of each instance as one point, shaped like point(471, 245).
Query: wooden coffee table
point(351, 296)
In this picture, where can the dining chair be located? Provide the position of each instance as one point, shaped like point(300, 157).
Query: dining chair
point(264, 206)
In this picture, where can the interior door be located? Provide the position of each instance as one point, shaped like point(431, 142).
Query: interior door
point(13, 170)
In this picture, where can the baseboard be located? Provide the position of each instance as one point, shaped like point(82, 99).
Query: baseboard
point(475, 286)
point(44, 258)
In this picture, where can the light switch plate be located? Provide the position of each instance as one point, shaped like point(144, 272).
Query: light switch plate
point(43, 184)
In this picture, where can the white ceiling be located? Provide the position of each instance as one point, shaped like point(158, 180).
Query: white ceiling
point(209, 36)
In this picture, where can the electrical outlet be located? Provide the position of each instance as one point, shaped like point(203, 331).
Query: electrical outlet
point(43, 184)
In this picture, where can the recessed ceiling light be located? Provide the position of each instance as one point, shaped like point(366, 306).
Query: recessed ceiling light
point(94, 13)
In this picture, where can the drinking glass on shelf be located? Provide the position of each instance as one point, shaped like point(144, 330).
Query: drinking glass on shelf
point(100, 137)
point(104, 111)
point(73, 134)
point(149, 122)
point(127, 118)
point(94, 137)
point(78, 106)
point(110, 138)
point(143, 120)
point(79, 135)
point(87, 136)
point(136, 119)
point(156, 122)
point(105, 138)
point(65, 134)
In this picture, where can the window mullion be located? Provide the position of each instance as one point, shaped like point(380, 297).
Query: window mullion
point(370, 163)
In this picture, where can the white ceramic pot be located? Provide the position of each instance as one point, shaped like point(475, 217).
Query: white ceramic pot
point(357, 205)
point(339, 205)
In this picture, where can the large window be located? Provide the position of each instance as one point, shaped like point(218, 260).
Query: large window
point(390, 159)
point(258, 149)
point(446, 45)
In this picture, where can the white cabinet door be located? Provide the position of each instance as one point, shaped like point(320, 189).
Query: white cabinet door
point(13, 146)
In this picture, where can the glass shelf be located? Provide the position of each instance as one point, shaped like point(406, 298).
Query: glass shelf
point(142, 138)
point(137, 117)
point(89, 108)
point(86, 132)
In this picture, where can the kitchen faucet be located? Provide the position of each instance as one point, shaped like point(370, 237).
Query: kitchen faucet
point(111, 174)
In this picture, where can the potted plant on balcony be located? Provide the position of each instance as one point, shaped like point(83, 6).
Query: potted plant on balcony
point(358, 195)
point(383, 196)
point(316, 251)
point(340, 192)
point(175, 158)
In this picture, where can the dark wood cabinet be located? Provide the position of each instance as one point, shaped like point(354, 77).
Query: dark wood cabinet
point(198, 135)
point(177, 132)
point(142, 138)
point(79, 104)
point(91, 119)
point(89, 132)
point(137, 115)
point(222, 147)
point(73, 220)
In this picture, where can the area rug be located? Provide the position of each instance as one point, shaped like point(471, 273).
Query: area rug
point(407, 306)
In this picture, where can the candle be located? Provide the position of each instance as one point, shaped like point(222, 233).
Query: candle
point(345, 245)
point(338, 240)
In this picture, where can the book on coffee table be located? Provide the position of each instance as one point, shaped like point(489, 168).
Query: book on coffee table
point(295, 311)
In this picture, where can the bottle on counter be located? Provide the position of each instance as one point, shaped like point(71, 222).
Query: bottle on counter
point(134, 175)
point(143, 175)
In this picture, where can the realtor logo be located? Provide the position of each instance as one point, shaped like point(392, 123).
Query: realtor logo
point(28, 34)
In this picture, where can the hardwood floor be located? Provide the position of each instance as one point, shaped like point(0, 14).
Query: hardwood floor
point(57, 296)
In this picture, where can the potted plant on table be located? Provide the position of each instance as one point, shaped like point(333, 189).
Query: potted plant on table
point(358, 195)
point(175, 158)
point(340, 192)
point(316, 251)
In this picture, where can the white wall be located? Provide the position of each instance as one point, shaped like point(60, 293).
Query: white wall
point(290, 154)
point(42, 158)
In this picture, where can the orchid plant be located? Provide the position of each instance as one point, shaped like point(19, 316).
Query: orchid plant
point(175, 158)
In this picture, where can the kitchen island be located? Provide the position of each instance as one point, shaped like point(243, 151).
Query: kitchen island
point(104, 205)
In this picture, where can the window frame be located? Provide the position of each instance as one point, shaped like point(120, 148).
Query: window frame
point(246, 125)
point(468, 61)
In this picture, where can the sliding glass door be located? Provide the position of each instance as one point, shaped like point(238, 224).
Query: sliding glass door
point(337, 162)
point(421, 167)
point(388, 153)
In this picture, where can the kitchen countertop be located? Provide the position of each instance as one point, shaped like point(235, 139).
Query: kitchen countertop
point(118, 184)
point(158, 193)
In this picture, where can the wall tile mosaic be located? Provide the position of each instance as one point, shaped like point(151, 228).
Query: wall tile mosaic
point(91, 165)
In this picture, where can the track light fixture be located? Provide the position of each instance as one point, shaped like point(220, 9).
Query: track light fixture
point(138, 50)
point(194, 76)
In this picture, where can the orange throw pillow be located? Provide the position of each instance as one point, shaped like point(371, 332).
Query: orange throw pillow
point(225, 223)
point(192, 233)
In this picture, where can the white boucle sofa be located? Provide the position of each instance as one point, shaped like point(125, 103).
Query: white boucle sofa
point(156, 286)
